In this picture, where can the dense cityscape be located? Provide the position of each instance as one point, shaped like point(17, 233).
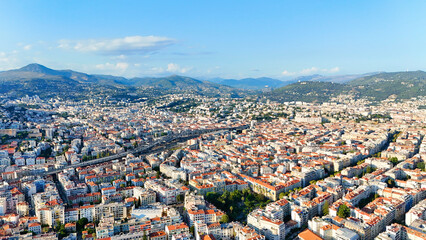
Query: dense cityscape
point(212, 120)
point(99, 169)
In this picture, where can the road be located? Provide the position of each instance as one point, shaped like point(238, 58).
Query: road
point(161, 142)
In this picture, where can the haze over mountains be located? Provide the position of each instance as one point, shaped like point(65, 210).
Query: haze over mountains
point(265, 82)
point(45, 82)
point(251, 83)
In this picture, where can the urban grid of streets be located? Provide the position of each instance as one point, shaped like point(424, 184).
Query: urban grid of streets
point(215, 168)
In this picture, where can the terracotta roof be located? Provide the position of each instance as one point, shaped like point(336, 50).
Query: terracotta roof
point(34, 224)
point(309, 235)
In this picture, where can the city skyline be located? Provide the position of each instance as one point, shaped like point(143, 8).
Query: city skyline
point(222, 120)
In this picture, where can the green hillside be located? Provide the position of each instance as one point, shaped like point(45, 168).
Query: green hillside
point(35, 79)
point(403, 85)
point(307, 91)
point(377, 87)
point(182, 84)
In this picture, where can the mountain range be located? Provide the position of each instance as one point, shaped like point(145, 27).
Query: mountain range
point(45, 82)
point(37, 79)
point(271, 83)
point(376, 87)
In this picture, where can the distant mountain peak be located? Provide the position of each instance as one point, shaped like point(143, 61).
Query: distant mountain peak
point(37, 68)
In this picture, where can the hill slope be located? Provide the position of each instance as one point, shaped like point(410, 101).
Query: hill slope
point(335, 79)
point(307, 91)
point(179, 84)
point(380, 86)
point(35, 79)
point(377, 87)
point(34, 70)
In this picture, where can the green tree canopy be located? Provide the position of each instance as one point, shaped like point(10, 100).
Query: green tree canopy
point(393, 160)
point(369, 169)
point(81, 223)
point(391, 183)
point(421, 165)
point(343, 211)
point(180, 198)
point(225, 218)
point(325, 208)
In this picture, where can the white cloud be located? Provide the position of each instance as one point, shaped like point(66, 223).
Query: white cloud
point(287, 73)
point(175, 68)
point(334, 70)
point(8, 60)
point(119, 46)
point(310, 71)
point(113, 67)
point(156, 70)
point(172, 67)
point(3, 58)
point(27, 47)
point(119, 57)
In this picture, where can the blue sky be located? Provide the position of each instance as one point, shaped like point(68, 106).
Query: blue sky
point(206, 39)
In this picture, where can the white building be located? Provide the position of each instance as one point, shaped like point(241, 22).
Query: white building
point(272, 229)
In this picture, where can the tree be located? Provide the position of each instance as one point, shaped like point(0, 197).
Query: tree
point(58, 225)
point(393, 160)
point(212, 197)
point(235, 196)
point(360, 162)
point(391, 183)
point(376, 196)
point(282, 195)
point(192, 230)
point(421, 165)
point(81, 223)
point(225, 219)
point(343, 211)
point(325, 208)
point(61, 231)
point(138, 202)
point(226, 195)
point(180, 198)
point(369, 169)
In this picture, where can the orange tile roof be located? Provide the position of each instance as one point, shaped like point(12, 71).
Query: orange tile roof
point(309, 235)
point(34, 224)
point(157, 234)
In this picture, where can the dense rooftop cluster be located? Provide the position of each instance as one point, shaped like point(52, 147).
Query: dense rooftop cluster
point(337, 170)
